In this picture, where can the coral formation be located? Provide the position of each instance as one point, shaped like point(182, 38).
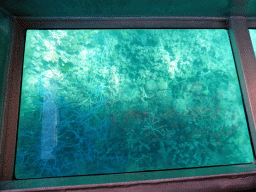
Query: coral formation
point(129, 100)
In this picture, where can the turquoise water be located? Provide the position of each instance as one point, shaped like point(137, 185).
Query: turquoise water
point(253, 38)
point(114, 101)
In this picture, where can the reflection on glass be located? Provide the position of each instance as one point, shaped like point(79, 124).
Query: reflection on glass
point(113, 101)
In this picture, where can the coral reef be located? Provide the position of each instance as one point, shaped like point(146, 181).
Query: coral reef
point(129, 100)
point(80, 142)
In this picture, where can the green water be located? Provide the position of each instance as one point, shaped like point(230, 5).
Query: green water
point(114, 101)
point(253, 38)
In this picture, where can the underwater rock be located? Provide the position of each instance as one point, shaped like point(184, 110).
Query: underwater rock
point(162, 84)
point(196, 88)
point(181, 106)
point(151, 85)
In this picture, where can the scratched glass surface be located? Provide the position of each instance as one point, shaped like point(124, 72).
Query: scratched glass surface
point(127, 100)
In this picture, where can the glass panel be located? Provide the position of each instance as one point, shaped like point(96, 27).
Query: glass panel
point(113, 101)
point(253, 38)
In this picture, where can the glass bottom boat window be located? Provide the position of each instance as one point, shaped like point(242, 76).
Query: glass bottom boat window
point(127, 100)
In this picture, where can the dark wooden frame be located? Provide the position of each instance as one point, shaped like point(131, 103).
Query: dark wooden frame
point(223, 178)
